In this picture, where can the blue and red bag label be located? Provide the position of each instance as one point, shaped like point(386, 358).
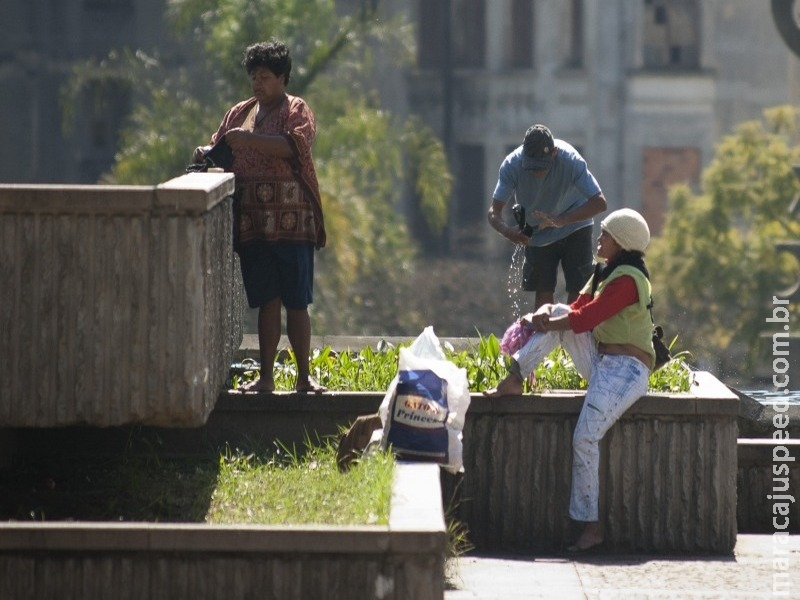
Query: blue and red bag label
point(418, 417)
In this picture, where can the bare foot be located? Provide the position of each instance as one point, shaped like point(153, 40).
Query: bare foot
point(590, 537)
point(258, 385)
point(309, 386)
point(510, 386)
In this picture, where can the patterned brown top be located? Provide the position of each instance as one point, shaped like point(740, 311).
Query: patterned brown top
point(267, 181)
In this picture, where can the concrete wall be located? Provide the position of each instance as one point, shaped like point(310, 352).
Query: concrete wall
point(760, 476)
point(668, 473)
point(254, 421)
point(668, 470)
point(401, 561)
point(121, 304)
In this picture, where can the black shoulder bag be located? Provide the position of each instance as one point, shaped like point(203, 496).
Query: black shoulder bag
point(663, 354)
point(219, 155)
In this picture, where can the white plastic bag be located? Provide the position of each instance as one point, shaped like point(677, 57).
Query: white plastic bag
point(424, 409)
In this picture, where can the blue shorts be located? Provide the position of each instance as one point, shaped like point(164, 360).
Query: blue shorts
point(278, 270)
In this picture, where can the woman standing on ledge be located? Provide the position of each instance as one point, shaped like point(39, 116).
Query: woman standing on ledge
point(277, 209)
point(608, 332)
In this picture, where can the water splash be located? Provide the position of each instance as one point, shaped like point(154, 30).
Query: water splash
point(516, 295)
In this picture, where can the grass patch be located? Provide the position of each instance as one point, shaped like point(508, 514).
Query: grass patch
point(144, 484)
point(279, 487)
point(87, 488)
point(291, 489)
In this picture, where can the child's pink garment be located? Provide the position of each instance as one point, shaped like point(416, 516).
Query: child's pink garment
point(516, 336)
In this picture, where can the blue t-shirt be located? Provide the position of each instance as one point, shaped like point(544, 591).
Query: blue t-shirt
point(567, 185)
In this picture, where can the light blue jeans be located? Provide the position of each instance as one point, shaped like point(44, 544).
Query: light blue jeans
point(615, 383)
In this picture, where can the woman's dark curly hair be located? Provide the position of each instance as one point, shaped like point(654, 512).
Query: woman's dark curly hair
point(273, 55)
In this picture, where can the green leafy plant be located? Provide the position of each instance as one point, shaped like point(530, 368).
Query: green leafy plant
point(485, 364)
point(557, 372)
point(370, 370)
point(675, 376)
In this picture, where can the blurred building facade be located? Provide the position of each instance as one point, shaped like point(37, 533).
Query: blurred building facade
point(40, 42)
point(642, 88)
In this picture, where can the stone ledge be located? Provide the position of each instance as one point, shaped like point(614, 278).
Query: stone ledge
point(761, 442)
point(406, 557)
point(104, 280)
point(707, 397)
point(190, 538)
point(75, 199)
point(416, 513)
point(364, 402)
point(412, 510)
point(764, 426)
point(757, 480)
point(667, 473)
point(223, 539)
point(559, 403)
point(193, 193)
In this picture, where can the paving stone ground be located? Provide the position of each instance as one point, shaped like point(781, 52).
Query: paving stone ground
point(747, 574)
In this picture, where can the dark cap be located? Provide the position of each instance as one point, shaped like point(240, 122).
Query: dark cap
point(537, 148)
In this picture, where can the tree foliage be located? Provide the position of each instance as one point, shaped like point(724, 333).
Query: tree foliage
point(365, 157)
point(715, 267)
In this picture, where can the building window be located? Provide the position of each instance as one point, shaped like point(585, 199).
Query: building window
point(461, 23)
point(519, 49)
point(671, 34)
point(432, 50)
point(469, 38)
point(575, 56)
point(662, 168)
point(108, 4)
point(472, 202)
point(106, 106)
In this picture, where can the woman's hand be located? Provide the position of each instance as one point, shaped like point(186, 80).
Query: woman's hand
point(272, 145)
point(538, 320)
point(238, 138)
point(199, 152)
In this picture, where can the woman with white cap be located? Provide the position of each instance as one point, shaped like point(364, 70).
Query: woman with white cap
point(608, 332)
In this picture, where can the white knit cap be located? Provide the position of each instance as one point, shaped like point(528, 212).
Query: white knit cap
point(628, 228)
